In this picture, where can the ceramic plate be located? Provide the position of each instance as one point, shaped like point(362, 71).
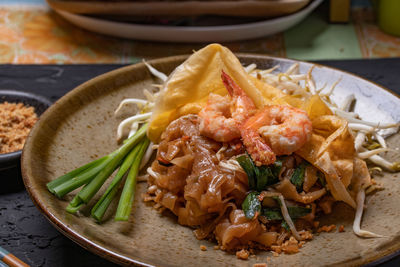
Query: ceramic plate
point(81, 127)
point(250, 8)
point(189, 34)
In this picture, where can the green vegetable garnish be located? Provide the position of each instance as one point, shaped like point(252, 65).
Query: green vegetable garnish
point(295, 212)
point(263, 176)
point(285, 225)
point(272, 214)
point(94, 174)
point(247, 164)
point(298, 176)
point(277, 166)
point(84, 177)
point(251, 205)
point(101, 206)
point(91, 189)
point(259, 177)
point(66, 177)
point(128, 193)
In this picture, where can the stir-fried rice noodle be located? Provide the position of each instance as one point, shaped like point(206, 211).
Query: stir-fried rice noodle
point(206, 194)
point(201, 181)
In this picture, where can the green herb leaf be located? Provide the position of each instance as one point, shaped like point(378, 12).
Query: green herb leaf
point(286, 226)
point(298, 211)
point(248, 166)
point(295, 212)
point(251, 205)
point(263, 176)
point(259, 177)
point(272, 214)
point(298, 176)
point(277, 166)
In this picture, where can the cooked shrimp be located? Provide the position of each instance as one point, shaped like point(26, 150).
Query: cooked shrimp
point(275, 130)
point(221, 117)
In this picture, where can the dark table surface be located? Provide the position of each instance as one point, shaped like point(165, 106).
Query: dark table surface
point(25, 232)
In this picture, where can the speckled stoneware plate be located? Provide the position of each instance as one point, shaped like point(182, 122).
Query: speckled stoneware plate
point(81, 127)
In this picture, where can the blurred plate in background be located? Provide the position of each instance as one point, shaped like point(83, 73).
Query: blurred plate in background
point(264, 8)
point(190, 34)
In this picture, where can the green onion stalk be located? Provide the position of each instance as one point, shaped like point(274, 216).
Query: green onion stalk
point(93, 175)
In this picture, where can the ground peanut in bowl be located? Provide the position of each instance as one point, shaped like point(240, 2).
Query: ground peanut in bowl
point(16, 120)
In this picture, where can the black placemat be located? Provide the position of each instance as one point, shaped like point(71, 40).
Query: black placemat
point(25, 232)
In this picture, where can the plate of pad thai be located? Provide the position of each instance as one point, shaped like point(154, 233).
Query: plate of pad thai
point(220, 159)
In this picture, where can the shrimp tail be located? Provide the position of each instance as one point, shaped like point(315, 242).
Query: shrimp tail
point(259, 151)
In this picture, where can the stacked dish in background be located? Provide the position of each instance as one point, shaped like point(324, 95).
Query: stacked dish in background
point(185, 21)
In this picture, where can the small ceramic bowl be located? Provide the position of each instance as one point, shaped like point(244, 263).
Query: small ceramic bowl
point(40, 103)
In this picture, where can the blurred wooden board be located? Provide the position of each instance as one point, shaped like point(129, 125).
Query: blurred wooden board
point(256, 8)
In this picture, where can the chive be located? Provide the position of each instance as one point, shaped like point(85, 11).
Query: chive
point(83, 178)
point(295, 212)
point(259, 177)
point(248, 166)
point(128, 193)
point(264, 175)
point(272, 214)
point(277, 166)
point(68, 176)
point(101, 206)
point(251, 205)
point(94, 185)
point(298, 176)
point(75, 204)
point(285, 225)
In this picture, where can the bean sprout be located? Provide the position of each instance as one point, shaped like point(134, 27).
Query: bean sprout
point(359, 141)
point(139, 102)
point(357, 220)
point(152, 173)
point(155, 72)
point(380, 139)
point(294, 69)
point(370, 153)
point(147, 156)
point(286, 216)
point(310, 81)
point(345, 106)
point(361, 127)
point(128, 122)
point(250, 68)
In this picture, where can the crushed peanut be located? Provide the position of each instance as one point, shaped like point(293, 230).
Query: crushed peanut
point(326, 228)
point(290, 246)
point(306, 235)
point(242, 254)
point(16, 120)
